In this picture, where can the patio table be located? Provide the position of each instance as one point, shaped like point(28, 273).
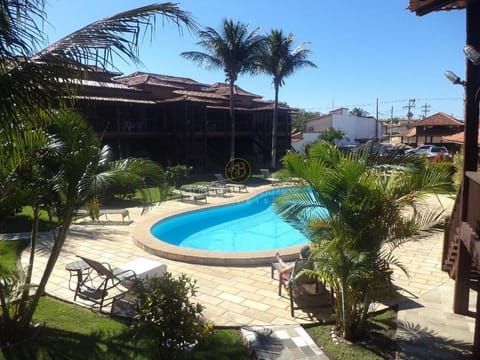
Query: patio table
point(78, 269)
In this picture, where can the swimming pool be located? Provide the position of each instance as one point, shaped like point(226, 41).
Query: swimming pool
point(247, 226)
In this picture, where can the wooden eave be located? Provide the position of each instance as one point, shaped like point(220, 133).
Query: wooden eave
point(423, 7)
point(220, 107)
point(115, 99)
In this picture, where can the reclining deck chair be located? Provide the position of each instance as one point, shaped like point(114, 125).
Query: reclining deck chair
point(101, 279)
point(221, 181)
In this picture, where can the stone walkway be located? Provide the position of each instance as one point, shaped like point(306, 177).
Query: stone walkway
point(247, 296)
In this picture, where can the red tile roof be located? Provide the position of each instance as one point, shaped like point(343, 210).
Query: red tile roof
point(224, 89)
point(459, 138)
point(141, 78)
point(438, 119)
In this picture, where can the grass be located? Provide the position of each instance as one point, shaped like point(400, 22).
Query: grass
point(22, 221)
point(76, 333)
point(379, 343)
point(10, 251)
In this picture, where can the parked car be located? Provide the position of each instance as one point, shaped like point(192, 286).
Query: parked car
point(419, 149)
point(438, 151)
point(430, 151)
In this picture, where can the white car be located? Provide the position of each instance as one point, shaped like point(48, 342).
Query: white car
point(430, 151)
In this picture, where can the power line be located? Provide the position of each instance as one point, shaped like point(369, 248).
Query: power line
point(351, 106)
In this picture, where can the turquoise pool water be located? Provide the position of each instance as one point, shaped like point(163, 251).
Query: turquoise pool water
point(251, 225)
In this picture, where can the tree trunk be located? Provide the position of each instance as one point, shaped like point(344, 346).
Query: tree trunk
point(232, 121)
point(33, 246)
point(273, 163)
point(55, 252)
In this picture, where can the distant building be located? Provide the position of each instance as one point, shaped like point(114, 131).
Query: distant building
point(177, 120)
point(301, 140)
point(393, 129)
point(356, 128)
point(431, 130)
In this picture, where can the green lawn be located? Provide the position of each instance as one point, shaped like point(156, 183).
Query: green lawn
point(22, 222)
point(9, 252)
point(77, 333)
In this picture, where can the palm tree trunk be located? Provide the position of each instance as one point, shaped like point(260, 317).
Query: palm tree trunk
point(33, 246)
point(232, 120)
point(55, 252)
point(274, 129)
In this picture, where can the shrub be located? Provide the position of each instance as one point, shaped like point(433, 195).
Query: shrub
point(165, 316)
point(178, 175)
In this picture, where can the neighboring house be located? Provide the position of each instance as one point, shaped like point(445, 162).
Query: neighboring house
point(357, 129)
point(176, 120)
point(394, 129)
point(431, 130)
point(300, 140)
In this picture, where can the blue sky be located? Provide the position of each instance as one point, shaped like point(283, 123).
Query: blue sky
point(364, 50)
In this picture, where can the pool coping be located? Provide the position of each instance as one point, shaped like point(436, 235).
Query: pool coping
point(143, 238)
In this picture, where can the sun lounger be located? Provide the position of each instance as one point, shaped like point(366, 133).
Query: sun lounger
point(105, 212)
point(100, 277)
point(186, 196)
point(221, 181)
point(123, 212)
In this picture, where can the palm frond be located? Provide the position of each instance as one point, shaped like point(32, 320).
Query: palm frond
point(19, 30)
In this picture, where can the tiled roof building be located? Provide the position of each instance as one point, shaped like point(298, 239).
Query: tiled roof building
point(176, 120)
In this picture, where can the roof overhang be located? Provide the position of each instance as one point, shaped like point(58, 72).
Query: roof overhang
point(423, 7)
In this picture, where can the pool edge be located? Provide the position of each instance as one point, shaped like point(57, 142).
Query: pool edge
point(143, 238)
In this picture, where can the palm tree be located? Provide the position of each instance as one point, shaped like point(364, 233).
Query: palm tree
point(233, 48)
point(280, 60)
point(69, 169)
point(368, 216)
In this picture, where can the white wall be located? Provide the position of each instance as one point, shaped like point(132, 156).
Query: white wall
point(319, 124)
point(308, 138)
point(354, 127)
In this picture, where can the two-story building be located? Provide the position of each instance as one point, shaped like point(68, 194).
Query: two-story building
point(431, 130)
point(176, 120)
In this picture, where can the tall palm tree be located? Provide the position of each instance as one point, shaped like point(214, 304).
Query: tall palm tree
point(368, 215)
point(279, 59)
point(232, 48)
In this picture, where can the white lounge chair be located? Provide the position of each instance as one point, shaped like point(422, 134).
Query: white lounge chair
point(186, 196)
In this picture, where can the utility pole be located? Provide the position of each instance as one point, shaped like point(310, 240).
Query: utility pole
point(376, 123)
point(410, 106)
point(425, 109)
point(391, 123)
